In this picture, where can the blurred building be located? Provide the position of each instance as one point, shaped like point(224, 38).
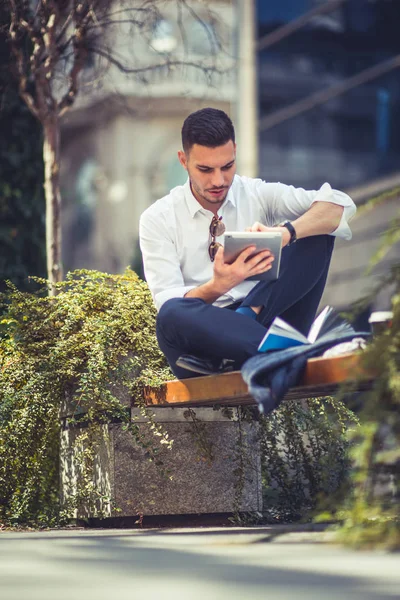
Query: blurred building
point(351, 140)
point(120, 141)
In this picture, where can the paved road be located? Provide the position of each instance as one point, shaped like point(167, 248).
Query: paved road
point(203, 564)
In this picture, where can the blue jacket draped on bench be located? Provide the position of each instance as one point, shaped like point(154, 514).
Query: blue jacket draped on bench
point(270, 375)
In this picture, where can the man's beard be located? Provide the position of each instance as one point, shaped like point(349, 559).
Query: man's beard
point(210, 200)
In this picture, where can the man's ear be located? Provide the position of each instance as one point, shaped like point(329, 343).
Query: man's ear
point(182, 159)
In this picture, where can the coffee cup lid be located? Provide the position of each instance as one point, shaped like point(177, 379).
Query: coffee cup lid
point(380, 316)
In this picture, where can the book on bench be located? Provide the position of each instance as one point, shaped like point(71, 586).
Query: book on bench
point(281, 335)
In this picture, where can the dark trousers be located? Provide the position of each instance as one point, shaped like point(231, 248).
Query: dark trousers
point(191, 326)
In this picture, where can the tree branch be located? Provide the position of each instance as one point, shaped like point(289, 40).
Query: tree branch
point(20, 61)
point(212, 39)
point(113, 22)
point(79, 61)
point(127, 10)
point(181, 27)
point(64, 28)
point(82, 18)
point(50, 39)
point(168, 63)
point(48, 23)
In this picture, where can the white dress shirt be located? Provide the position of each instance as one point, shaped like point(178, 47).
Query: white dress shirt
point(174, 231)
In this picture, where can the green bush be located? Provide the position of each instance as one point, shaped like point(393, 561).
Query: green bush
point(370, 514)
point(305, 458)
point(96, 337)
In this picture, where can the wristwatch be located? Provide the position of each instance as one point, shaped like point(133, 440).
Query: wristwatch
point(291, 230)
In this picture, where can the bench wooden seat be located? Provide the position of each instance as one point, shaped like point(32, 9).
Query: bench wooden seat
point(322, 377)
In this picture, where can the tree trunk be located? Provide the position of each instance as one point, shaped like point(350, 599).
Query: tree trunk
point(51, 158)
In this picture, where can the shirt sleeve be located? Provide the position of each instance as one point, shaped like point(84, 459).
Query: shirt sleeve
point(160, 261)
point(287, 202)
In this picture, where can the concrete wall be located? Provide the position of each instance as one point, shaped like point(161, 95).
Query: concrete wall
point(115, 164)
point(119, 143)
point(348, 278)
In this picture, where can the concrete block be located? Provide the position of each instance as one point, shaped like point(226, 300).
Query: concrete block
point(214, 466)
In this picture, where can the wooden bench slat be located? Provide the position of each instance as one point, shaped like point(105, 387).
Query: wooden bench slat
point(321, 377)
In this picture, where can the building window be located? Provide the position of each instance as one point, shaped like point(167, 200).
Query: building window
point(202, 38)
point(163, 37)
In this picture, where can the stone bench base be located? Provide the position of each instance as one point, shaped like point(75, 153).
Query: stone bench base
point(214, 465)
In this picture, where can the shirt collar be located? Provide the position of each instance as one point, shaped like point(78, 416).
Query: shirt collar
point(194, 206)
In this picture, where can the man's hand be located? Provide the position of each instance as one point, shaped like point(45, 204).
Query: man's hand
point(227, 276)
point(260, 227)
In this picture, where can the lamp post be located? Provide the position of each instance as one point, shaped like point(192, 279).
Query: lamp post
point(246, 105)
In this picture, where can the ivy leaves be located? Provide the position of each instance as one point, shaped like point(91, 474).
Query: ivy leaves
point(95, 337)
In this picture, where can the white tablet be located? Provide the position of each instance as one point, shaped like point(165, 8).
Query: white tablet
point(236, 241)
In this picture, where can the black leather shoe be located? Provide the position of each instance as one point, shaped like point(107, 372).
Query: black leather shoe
point(203, 366)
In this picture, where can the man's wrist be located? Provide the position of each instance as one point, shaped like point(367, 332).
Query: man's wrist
point(209, 292)
point(291, 236)
point(216, 288)
point(285, 236)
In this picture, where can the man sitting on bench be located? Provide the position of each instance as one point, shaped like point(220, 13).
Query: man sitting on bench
point(206, 308)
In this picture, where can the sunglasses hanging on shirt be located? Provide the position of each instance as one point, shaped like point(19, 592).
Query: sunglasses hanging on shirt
point(217, 228)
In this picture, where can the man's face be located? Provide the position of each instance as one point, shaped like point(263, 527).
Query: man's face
point(211, 172)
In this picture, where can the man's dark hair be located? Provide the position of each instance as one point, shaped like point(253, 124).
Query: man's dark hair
point(207, 127)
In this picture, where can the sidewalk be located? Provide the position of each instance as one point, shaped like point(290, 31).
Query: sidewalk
point(259, 563)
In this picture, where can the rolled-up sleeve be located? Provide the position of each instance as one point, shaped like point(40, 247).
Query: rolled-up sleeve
point(327, 194)
point(289, 202)
point(160, 261)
